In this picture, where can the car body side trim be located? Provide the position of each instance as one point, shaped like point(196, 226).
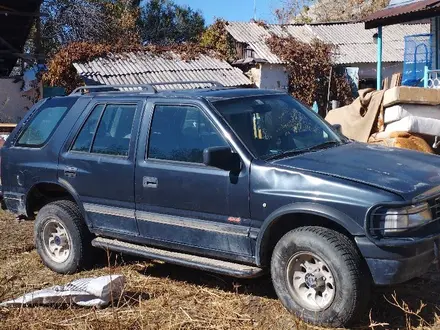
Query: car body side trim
point(171, 220)
point(190, 223)
point(109, 210)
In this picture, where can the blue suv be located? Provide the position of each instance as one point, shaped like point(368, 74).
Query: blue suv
point(233, 181)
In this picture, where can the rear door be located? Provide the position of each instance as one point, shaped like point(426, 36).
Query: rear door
point(98, 162)
point(180, 202)
point(30, 154)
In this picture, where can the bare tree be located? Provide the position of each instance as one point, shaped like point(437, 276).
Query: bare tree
point(292, 11)
point(302, 11)
point(74, 20)
point(165, 22)
point(87, 20)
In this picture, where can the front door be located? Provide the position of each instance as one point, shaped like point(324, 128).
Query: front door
point(98, 163)
point(180, 202)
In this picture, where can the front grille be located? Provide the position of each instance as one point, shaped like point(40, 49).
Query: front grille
point(434, 204)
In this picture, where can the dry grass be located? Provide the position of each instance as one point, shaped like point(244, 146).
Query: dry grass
point(162, 296)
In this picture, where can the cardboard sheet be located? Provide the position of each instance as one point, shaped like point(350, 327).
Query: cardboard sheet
point(357, 119)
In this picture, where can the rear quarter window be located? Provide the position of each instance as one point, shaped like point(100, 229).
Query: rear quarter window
point(44, 122)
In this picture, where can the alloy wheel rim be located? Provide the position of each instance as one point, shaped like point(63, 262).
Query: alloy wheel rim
point(56, 241)
point(311, 282)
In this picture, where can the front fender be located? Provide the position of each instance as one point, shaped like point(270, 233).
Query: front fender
point(66, 185)
point(324, 211)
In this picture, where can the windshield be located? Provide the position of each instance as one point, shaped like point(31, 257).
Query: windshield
point(274, 126)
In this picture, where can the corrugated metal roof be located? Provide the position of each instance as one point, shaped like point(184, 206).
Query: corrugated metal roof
point(403, 12)
point(262, 51)
point(145, 67)
point(247, 32)
point(396, 3)
point(355, 43)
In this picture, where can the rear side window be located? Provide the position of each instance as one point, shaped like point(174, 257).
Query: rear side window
point(114, 131)
point(85, 137)
point(44, 122)
point(107, 132)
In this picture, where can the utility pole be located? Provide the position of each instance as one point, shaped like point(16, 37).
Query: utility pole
point(38, 44)
point(255, 10)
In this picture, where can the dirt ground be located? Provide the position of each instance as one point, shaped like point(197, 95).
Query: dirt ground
point(163, 296)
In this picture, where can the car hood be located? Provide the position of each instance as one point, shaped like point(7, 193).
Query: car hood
point(404, 172)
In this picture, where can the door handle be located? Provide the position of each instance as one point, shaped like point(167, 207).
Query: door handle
point(70, 172)
point(150, 182)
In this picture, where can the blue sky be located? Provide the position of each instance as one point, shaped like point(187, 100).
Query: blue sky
point(233, 10)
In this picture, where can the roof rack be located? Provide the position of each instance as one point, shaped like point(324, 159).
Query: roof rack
point(111, 88)
point(189, 82)
point(149, 88)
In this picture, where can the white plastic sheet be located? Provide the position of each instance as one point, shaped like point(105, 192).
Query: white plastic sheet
point(86, 292)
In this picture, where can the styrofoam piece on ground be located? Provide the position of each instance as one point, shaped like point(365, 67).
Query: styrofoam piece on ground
point(83, 292)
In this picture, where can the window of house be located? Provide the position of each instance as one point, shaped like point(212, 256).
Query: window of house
point(182, 133)
point(112, 135)
point(249, 53)
point(44, 122)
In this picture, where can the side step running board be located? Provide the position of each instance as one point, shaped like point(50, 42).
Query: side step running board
point(178, 258)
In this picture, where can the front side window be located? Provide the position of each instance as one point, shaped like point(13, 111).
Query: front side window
point(276, 125)
point(107, 130)
point(181, 133)
point(45, 121)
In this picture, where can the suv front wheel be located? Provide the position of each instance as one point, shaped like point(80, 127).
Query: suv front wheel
point(61, 237)
point(319, 275)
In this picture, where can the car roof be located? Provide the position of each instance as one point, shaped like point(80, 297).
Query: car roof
point(223, 93)
point(211, 94)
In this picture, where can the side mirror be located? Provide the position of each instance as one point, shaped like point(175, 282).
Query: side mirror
point(223, 158)
point(337, 127)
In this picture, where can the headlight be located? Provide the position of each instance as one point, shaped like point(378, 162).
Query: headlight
point(400, 220)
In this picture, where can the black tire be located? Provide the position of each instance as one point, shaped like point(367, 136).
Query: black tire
point(351, 278)
point(69, 216)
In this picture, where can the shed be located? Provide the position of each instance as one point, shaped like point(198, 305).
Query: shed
point(356, 47)
point(146, 67)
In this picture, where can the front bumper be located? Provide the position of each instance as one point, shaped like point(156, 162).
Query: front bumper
point(399, 264)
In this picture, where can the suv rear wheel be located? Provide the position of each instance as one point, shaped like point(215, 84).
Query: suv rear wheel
point(61, 237)
point(317, 275)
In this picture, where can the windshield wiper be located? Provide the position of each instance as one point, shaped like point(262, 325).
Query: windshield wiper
point(324, 145)
point(287, 153)
point(295, 152)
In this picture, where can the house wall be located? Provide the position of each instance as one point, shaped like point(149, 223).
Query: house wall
point(367, 72)
point(13, 102)
point(270, 76)
point(274, 76)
